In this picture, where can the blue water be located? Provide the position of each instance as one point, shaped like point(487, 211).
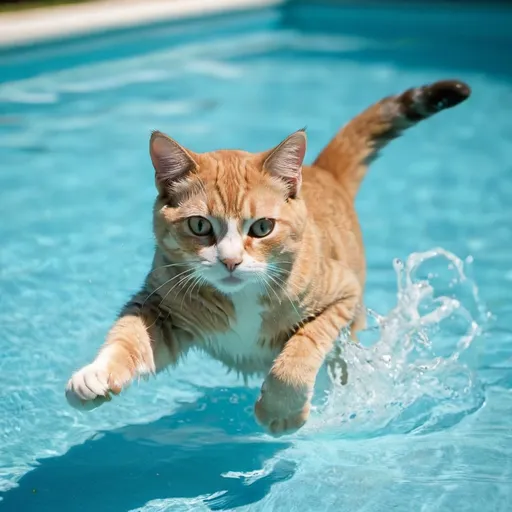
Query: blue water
point(424, 424)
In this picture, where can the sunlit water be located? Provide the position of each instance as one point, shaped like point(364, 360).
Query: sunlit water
point(424, 422)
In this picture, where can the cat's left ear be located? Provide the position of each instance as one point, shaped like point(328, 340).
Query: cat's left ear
point(285, 161)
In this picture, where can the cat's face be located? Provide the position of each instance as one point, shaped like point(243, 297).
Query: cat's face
point(233, 216)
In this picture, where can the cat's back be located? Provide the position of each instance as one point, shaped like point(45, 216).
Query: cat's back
point(323, 192)
point(335, 222)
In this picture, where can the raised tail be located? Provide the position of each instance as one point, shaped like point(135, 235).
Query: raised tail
point(358, 143)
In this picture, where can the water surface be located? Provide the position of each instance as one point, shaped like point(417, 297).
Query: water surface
point(424, 423)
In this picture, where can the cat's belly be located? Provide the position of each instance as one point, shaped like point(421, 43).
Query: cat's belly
point(241, 348)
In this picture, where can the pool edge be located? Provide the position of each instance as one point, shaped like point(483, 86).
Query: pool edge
point(23, 28)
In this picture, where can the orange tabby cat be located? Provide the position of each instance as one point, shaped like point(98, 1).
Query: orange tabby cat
point(259, 261)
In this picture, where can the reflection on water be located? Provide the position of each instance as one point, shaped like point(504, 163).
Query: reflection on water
point(210, 455)
point(424, 418)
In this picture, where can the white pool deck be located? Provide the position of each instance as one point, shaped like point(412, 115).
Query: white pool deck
point(47, 23)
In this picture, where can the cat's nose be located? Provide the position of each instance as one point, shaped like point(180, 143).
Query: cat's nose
point(231, 263)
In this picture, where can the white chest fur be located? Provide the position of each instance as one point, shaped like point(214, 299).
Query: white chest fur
point(239, 348)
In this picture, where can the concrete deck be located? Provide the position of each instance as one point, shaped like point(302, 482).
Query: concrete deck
point(43, 24)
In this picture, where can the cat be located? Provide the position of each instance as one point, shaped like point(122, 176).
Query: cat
point(259, 261)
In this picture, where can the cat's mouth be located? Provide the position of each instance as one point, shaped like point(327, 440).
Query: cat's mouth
point(231, 280)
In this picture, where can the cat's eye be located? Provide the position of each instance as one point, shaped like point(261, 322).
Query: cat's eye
point(200, 226)
point(262, 228)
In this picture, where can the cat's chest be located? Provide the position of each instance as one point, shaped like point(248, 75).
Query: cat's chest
point(240, 347)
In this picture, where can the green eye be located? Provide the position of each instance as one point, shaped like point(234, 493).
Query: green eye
point(200, 226)
point(262, 228)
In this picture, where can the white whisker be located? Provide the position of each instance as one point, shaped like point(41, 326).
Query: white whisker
point(189, 275)
point(163, 284)
point(171, 265)
point(273, 278)
point(268, 286)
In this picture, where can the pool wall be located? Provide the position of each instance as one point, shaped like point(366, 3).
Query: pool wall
point(406, 35)
point(407, 32)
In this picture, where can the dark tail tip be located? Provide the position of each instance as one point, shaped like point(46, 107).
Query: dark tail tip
point(422, 102)
point(445, 94)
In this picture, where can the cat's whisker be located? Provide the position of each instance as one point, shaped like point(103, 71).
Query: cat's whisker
point(264, 285)
point(171, 265)
point(269, 287)
point(285, 292)
point(190, 289)
point(273, 266)
point(183, 287)
point(278, 275)
point(164, 284)
point(279, 272)
point(286, 262)
point(188, 274)
point(167, 294)
point(183, 281)
point(202, 281)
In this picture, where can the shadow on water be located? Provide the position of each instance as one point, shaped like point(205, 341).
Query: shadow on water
point(180, 456)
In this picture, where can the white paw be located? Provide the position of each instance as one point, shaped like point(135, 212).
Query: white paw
point(278, 422)
point(281, 408)
point(88, 388)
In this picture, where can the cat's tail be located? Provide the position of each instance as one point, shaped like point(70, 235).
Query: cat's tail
point(359, 142)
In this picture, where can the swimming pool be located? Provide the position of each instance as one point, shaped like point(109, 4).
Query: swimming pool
point(425, 425)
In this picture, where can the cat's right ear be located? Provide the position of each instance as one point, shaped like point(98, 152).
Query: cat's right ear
point(171, 161)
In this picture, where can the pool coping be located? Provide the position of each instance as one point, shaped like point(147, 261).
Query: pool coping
point(58, 22)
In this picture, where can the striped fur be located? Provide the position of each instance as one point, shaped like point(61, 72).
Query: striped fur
point(271, 305)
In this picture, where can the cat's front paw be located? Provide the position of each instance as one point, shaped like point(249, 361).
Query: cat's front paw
point(282, 408)
point(90, 387)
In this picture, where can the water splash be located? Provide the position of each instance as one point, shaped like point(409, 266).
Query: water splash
point(412, 371)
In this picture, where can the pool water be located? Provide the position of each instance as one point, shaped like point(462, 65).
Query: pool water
point(424, 423)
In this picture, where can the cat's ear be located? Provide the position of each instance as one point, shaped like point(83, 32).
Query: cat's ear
point(171, 161)
point(285, 161)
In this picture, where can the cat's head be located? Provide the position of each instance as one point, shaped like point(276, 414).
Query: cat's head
point(236, 217)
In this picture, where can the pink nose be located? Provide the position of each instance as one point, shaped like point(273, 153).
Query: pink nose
point(231, 263)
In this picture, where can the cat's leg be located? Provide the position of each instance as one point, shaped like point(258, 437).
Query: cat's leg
point(285, 400)
point(337, 366)
point(137, 345)
point(358, 143)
